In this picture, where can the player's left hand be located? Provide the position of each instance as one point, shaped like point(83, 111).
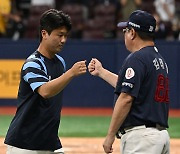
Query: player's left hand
point(95, 67)
point(107, 145)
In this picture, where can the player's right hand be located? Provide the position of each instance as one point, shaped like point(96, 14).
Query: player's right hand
point(95, 67)
point(108, 142)
point(79, 68)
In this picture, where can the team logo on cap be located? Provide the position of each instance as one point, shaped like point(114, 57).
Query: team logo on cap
point(129, 73)
point(151, 28)
point(134, 25)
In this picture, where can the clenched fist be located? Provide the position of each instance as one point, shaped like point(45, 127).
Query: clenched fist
point(79, 68)
point(95, 67)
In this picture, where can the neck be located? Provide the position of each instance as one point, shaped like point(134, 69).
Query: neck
point(45, 52)
point(141, 44)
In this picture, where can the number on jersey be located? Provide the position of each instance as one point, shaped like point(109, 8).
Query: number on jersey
point(162, 89)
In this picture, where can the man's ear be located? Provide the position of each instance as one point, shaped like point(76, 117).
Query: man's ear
point(44, 34)
point(133, 34)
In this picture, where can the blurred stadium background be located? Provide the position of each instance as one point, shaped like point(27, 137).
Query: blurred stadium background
point(94, 34)
point(94, 19)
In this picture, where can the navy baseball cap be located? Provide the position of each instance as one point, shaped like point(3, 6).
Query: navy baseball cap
point(140, 21)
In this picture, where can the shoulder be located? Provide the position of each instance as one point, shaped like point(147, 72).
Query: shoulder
point(35, 60)
point(144, 53)
point(59, 57)
point(35, 57)
point(136, 59)
point(133, 56)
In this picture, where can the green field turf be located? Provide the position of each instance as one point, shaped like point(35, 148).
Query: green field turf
point(87, 126)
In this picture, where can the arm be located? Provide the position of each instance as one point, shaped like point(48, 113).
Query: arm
point(96, 69)
point(55, 86)
point(121, 110)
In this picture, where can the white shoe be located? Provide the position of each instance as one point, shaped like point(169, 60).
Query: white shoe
point(59, 151)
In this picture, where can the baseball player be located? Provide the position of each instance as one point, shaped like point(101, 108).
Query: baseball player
point(140, 115)
point(34, 129)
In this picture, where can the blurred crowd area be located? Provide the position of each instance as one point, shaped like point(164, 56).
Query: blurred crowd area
point(91, 19)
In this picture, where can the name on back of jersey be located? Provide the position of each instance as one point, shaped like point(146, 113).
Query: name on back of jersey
point(160, 64)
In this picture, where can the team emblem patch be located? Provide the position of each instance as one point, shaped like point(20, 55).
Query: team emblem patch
point(129, 73)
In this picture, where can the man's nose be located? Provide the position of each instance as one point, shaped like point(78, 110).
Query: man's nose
point(63, 39)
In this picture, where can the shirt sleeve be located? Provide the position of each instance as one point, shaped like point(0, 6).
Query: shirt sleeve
point(132, 76)
point(34, 74)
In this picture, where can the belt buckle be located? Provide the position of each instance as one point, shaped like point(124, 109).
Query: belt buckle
point(160, 128)
point(120, 133)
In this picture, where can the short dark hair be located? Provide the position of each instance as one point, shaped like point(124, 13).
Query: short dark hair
point(53, 19)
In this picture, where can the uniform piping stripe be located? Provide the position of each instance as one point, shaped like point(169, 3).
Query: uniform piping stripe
point(31, 64)
point(33, 80)
point(36, 71)
point(33, 75)
point(62, 60)
point(36, 85)
point(44, 66)
point(41, 61)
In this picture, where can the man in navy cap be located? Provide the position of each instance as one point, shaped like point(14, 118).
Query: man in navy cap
point(140, 115)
